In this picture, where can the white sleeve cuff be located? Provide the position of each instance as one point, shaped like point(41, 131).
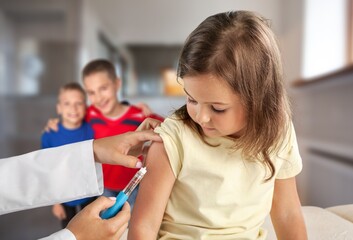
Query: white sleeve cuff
point(64, 234)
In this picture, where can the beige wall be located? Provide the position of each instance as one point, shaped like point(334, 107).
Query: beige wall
point(322, 115)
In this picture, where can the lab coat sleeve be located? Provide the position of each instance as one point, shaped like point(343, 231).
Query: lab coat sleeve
point(49, 176)
point(63, 234)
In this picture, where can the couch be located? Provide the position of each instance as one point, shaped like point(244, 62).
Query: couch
point(333, 223)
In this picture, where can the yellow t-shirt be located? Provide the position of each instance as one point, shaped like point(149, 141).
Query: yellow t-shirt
point(218, 194)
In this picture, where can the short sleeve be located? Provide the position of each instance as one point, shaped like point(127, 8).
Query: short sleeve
point(45, 140)
point(291, 161)
point(171, 133)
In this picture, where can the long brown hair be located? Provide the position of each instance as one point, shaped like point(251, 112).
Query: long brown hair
point(240, 48)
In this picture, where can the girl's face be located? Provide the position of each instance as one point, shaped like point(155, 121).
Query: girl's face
point(101, 91)
point(213, 105)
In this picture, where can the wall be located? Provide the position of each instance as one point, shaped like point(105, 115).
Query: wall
point(91, 46)
point(169, 22)
point(290, 35)
point(322, 116)
point(6, 49)
point(39, 46)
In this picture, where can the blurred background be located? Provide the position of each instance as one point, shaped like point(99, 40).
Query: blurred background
point(46, 43)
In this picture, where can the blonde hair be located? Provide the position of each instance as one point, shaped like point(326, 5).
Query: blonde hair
point(72, 86)
point(240, 48)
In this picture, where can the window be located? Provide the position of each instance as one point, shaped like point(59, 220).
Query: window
point(350, 32)
point(327, 36)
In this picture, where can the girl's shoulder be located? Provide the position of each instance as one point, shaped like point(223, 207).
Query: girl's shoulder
point(289, 138)
point(173, 125)
point(175, 131)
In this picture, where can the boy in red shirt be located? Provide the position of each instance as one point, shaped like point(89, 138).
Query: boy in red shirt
point(110, 117)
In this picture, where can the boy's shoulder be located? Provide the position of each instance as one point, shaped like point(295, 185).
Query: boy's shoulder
point(134, 110)
point(50, 133)
point(49, 138)
point(135, 113)
point(91, 111)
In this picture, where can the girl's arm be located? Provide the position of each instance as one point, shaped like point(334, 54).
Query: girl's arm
point(153, 195)
point(286, 214)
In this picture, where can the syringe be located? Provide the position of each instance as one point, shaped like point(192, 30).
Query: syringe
point(124, 195)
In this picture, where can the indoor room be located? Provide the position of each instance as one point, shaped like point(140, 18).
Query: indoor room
point(46, 44)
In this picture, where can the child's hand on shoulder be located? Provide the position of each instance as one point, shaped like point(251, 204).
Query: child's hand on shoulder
point(52, 124)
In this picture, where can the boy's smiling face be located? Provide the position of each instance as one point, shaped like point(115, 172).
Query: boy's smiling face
point(71, 107)
point(102, 92)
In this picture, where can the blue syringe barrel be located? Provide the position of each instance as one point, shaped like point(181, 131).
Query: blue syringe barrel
point(113, 210)
point(122, 197)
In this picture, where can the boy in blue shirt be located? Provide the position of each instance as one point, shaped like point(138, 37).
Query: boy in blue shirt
point(71, 107)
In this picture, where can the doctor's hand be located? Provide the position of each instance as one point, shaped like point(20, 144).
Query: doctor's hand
point(124, 149)
point(87, 224)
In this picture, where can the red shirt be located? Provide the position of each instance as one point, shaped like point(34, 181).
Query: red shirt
point(116, 177)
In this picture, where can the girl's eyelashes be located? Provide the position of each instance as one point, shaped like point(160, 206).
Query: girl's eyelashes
point(217, 110)
point(214, 109)
point(190, 100)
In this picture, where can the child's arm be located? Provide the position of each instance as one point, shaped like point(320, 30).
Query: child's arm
point(52, 124)
point(286, 214)
point(153, 195)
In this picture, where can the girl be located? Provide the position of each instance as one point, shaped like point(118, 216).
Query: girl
point(229, 157)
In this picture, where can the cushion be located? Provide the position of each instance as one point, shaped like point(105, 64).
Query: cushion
point(344, 211)
point(320, 224)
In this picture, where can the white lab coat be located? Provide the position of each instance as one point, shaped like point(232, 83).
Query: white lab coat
point(49, 176)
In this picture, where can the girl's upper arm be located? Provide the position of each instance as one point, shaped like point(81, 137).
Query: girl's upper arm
point(286, 211)
point(153, 195)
